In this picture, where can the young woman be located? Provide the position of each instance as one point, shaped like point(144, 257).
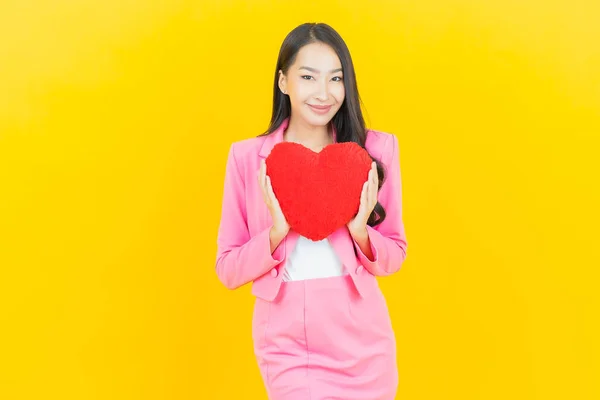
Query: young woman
point(321, 326)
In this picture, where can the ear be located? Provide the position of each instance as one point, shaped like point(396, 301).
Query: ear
point(282, 82)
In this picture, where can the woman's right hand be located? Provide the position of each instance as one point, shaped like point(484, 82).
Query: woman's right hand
point(280, 224)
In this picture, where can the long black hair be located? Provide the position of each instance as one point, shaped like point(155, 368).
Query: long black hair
point(348, 121)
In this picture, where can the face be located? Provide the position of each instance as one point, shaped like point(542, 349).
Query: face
point(314, 84)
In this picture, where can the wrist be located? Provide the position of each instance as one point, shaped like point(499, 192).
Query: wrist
point(359, 233)
point(276, 237)
point(279, 232)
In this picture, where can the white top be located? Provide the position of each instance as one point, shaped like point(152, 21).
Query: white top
point(311, 259)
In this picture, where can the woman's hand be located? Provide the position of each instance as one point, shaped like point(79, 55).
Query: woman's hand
point(368, 199)
point(280, 224)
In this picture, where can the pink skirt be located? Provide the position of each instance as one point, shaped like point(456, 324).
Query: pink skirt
point(320, 340)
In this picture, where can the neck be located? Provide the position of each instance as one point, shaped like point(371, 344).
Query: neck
point(312, 136)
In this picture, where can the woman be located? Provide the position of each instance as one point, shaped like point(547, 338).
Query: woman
point(321, 327)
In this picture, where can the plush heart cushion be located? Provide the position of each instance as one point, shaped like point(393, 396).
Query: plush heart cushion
point(318, 192)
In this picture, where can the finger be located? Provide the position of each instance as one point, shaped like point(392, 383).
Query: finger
point(266, 175)
point(268, 185)
point(371, 195)
point(369, 192)
point(270, 191)
point(363, 196)
point(373, 199)
point(375, 184)
point(375, 174)
point(375, 191)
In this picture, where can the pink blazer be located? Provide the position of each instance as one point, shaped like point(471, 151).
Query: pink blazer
point(243, 247)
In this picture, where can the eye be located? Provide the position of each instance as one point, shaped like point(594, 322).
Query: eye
point(339, 78)
point(304, 76)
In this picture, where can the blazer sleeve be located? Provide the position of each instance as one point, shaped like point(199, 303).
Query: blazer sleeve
point(388, 239)
point(240, 258)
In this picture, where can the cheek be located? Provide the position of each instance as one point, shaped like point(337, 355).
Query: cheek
point(339, 93)
point(300, 98)
point(302, 92)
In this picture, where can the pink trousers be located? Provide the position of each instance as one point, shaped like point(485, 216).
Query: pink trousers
point(319, 340)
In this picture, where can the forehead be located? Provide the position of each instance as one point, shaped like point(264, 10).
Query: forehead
point(319, 56)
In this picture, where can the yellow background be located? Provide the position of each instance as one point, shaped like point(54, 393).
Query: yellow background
point(115, 121)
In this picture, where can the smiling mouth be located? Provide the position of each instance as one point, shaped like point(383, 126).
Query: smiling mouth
point(320, 109)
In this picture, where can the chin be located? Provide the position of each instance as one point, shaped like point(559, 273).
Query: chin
point(319, 120)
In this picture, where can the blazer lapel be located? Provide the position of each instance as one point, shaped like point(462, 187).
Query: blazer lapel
point(272, 139)
point(341, 241)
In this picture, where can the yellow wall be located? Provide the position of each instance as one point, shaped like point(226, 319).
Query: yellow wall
point(115, 120)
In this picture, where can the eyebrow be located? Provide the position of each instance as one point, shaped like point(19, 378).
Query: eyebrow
point(317, 71)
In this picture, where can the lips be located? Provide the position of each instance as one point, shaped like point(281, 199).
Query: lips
point(320, 109)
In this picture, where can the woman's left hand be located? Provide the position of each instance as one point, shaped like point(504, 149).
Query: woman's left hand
point(368, 200)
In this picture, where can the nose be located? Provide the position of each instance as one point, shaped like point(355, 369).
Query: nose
point(323, 91)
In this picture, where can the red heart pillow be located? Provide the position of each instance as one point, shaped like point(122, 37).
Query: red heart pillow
point(318, 192)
